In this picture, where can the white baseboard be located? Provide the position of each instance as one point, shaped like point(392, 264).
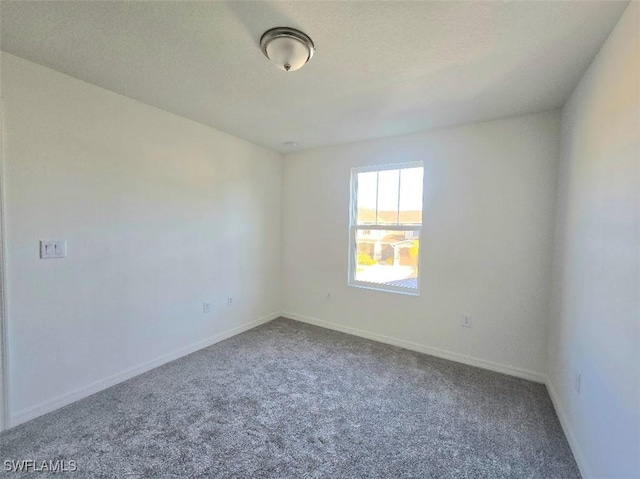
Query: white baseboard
point(101, 384)
point(441, 353)
point(568, 432)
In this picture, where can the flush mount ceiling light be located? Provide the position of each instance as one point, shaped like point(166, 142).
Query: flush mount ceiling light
point(287, 48)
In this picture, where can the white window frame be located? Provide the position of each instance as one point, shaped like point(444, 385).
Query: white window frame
point(354, 227)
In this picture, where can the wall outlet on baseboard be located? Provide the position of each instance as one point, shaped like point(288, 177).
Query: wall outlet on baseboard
point(466, 321)
point(577, 382)
point(206, 306)
point(230, 301)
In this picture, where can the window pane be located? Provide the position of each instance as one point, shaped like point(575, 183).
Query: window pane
point(411, 196)
point(388, 257)
point(367, 191)
point(388, 197)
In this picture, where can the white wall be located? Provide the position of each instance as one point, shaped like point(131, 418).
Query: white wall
point(486, 242)
point(595, 327)
point(160, 213)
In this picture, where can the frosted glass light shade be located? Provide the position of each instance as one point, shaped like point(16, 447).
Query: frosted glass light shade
point(287, 48)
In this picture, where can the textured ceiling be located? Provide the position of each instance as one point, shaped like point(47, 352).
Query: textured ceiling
point(380, 69)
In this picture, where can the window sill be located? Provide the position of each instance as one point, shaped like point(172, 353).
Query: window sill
point(384, 288)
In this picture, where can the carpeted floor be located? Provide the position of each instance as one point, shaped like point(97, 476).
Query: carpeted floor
point(289, 400)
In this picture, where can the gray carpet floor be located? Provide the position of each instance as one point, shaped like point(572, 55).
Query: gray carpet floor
point(289, 400)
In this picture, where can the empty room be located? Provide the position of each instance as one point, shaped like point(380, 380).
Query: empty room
point(320, 239)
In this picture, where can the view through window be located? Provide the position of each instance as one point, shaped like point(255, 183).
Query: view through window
point(386, 221)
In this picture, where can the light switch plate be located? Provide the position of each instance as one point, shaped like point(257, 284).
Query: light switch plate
point(53, 249)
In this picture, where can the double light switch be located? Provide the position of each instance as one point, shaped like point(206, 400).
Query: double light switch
point(53, 249)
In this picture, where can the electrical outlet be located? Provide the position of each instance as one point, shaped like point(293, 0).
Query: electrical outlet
point(466, 321)
point(230, 301)
point(206, 306)
point(328, 296)
point(577, 382)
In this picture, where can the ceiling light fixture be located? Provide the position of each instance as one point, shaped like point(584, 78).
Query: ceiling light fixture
point(288, 48)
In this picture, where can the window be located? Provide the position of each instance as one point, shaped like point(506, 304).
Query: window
point(385, 227)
